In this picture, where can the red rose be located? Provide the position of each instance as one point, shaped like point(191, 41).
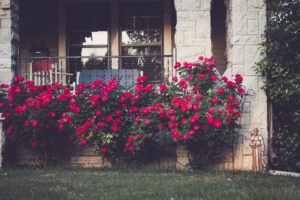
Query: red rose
point(122, 99)
point(137, 97)
point(213, 77)
point(191, 132)
point(185, 137)
point(61, 121)
point(217, 123)
point(29, 83)
point(139, 136)
point(131, 149)
point(104, 98)
point(162, 88)
point(114, 129)
point(175, 79)
point(147, 121)
point(214, 100)
point(173, 118)
point(83, 142)
point(109, 118)
point(131, 139)
point(34, 144)
point(202, 76)
point(137, 119)
point(104, 150)
point(228, 107)
point(199, 96)
point(98, 113)
point(225, 79)
point(27, 123)
point(35, 123)
point(101, 124)
point(221, 91)
point(195, 88)
point(128, 95)
point(178, 64)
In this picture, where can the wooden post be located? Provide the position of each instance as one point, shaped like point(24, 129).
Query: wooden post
point(114, 36)
point(167, 35)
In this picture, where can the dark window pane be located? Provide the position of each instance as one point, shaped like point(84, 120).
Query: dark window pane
point(88, 22)
point(141, 16)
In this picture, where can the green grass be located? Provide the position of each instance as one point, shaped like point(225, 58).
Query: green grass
point(122, 184)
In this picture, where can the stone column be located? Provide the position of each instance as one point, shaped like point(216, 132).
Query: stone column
point(193, 29)
point(245, 25)
point(9, 40)
point(245, 29)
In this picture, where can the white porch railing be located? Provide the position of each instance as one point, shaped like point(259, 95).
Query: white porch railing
point(49, 70)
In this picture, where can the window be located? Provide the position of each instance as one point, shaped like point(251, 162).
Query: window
point(139, 31)
point(141, 35)
point(88, 30)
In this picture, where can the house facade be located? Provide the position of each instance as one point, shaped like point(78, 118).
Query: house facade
point(73, 35)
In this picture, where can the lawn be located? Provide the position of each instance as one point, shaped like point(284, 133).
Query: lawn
point(122, 184)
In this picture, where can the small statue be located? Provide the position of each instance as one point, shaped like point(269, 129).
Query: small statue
point(257, 146)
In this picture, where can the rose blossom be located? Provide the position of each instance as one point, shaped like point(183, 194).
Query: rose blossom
point(104, 150)
point(139, 136)
point(214, 100)
point(173, 118)
point(147, 121)
point(185, 137)
point(213, 77)
point(220, 91)
point(131, 139)
point(35, 123)
point(191, 132)
point(202, 76)
point(131, 149)
point(83, 142)
point(199, 96)
point(34, 144)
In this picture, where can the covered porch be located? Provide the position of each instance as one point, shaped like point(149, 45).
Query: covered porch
point(61, 39)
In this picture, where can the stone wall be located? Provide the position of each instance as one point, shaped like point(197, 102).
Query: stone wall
point(245, 26)
point(9, 40)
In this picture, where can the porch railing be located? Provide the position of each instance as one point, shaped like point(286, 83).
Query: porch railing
point(49, 70)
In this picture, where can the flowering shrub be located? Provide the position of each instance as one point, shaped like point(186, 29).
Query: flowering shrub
point(196, 109)
point(33, 116)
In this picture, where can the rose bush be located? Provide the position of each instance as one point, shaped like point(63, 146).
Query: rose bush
point(33, 117)
point(196, 109)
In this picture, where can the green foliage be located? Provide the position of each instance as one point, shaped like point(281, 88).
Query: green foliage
point(281, 66)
